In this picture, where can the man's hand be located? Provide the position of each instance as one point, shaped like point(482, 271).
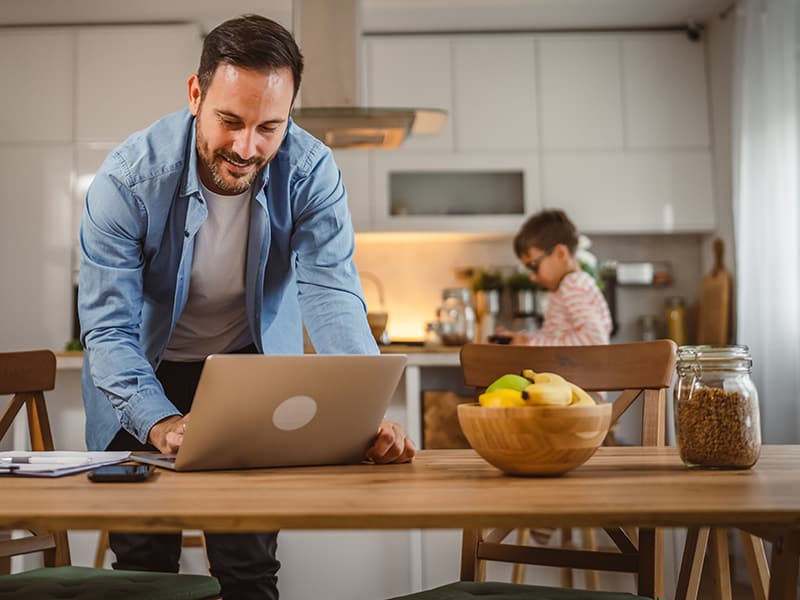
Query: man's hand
point(391, 445)
point(167, 434)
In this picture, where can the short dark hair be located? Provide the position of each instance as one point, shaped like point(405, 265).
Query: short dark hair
point(251, 42)
point(544, 231)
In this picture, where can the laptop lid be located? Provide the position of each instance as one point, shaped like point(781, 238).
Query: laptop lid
point(253, 410)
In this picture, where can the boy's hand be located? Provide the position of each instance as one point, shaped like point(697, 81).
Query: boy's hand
point(518, 338)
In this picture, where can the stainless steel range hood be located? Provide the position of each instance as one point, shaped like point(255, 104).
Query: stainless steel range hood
point(329, 35)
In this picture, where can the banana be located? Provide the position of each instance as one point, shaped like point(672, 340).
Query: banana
point(528, 374)
point(580, 397)
point(549, 378)
point(502, 397)
point(553, 394)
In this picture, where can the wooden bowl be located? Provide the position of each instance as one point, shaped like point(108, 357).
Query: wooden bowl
point(535, 440)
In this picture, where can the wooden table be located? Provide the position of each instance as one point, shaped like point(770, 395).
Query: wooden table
point(442, 489)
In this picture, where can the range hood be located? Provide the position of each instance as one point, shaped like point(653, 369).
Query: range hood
point(329, 35)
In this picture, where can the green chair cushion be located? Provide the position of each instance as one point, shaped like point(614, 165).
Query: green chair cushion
point(82, 583)
point(492, 590)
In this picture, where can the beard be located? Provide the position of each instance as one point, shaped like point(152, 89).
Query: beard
point(214, 160)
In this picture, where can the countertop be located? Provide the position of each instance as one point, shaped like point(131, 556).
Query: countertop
point(418, 356)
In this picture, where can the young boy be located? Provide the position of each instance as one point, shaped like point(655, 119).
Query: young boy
point(577, 313)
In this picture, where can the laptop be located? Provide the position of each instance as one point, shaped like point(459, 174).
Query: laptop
point(252, 411)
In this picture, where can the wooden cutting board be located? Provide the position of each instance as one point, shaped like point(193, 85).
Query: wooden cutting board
point(714, 315)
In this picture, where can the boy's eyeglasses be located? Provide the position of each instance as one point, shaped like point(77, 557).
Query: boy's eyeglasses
point(533, 266)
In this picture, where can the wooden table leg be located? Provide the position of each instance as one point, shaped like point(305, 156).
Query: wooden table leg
point(720, 563)
point(694, 553)
point(757, 566)
point(785, 564)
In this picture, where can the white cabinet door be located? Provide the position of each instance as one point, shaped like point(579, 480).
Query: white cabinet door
point(658, 192)
point(412, 72)
point(37, 71)
point(130, 76)
point(665, 91)
point(581, 92)
point(354, 165)
point(494, 93)
point(35, 239)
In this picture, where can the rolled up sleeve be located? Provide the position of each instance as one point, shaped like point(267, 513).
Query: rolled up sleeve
point(110, 300)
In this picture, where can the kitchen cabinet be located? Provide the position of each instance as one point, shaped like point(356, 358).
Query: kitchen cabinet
point(581, 90)
point(488, 192)
point(665, 97)
point(129, 76)
point(611, 127)
point(354, 165)
point(412, 72)
point(37, 71)
point(631, 192)
point(494, 93)
point(35, 242)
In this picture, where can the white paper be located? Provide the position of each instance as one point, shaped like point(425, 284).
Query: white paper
point(56, 463)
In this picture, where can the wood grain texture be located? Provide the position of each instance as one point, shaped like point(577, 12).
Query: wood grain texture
point(642, 365)
point(714, 314)
point(535, 440)
point(618, 486)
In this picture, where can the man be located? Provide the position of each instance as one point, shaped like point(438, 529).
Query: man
point(221, 228)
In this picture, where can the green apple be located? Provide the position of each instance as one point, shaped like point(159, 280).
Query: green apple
point(509, 381)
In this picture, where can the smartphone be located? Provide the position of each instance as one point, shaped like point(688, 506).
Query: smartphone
point(115, 473)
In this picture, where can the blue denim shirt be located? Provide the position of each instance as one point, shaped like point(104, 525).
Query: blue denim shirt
point(141, 216)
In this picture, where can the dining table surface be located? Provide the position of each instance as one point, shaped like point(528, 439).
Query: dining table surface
point(617, 486)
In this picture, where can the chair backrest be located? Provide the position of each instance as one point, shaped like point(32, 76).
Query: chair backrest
point(637, 369)
point(26, 376)
point(640, 369)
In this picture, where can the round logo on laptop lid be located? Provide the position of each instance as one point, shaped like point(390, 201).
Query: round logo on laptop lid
point(294, 412)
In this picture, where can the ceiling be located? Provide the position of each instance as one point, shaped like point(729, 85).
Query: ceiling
point(383, 15)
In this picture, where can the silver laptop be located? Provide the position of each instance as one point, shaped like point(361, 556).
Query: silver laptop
point(253, 411)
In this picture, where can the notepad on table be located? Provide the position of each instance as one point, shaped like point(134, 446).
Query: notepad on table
point(55, 463)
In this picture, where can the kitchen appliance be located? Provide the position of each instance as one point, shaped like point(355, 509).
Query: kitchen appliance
point(329, 35)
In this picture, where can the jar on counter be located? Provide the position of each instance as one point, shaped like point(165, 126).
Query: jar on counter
point(717, 422)
point(676, 320)
point(456, 317)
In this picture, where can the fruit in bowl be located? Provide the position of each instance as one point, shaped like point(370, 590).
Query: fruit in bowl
point(548, 428)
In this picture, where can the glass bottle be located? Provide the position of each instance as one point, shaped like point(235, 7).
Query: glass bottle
point(676, 320)
point(717, 423)
point(456, 317)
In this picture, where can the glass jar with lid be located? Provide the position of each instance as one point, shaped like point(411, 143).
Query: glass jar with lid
point(717, 422)
point(456, 317)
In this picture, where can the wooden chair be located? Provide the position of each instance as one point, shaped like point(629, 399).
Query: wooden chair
point(26, 376)
point(643, 370)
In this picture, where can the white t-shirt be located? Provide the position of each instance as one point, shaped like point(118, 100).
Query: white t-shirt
point(214, 319)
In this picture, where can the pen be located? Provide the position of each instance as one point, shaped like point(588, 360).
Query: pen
point(43, 460)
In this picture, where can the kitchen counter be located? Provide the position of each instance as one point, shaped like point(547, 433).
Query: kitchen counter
point(441, 356)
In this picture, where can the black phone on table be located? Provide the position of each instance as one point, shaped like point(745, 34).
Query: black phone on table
point(120, 473)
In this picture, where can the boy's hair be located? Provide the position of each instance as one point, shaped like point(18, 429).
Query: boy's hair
point(544, 230)
point(251, 42)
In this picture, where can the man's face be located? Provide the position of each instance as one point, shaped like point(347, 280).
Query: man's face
point(240, 124)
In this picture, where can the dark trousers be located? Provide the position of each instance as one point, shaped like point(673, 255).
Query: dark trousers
point(244, 563)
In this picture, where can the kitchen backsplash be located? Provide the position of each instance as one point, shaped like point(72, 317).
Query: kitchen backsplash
point(414, 268)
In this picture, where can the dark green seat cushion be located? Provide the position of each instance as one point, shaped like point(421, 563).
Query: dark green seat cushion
point(82, 583)
point(492, 590)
